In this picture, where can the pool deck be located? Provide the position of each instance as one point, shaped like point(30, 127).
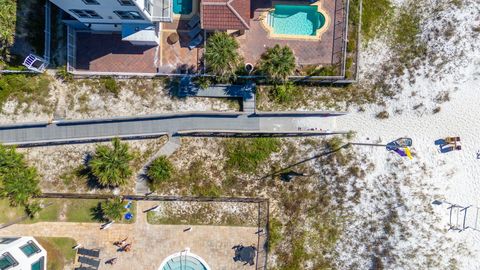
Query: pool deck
point(308, 52)
point(151, 244)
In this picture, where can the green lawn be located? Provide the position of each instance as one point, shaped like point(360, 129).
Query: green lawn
point(9, 213)
point(59, 251)
point(79, 210)
point(76, 210)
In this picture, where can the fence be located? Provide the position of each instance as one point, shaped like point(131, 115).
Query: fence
point(48, 26)
point(263, 212)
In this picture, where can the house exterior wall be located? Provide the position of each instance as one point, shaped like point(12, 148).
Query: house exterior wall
point(105, 9)
point(24, 261)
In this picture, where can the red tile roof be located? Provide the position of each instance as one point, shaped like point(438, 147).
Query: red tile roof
point(225, 14)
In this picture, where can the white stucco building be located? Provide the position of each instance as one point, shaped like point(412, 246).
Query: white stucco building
point(138, 20)
point(22, 253)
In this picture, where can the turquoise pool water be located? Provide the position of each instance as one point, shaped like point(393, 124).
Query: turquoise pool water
point(296, 20)
point(184, 263)
point(182, 6)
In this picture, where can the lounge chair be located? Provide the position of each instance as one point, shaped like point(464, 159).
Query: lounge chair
point(194, 32)
point(195, 42)
point(89, 261)
point(89, 252)
point(194, 21)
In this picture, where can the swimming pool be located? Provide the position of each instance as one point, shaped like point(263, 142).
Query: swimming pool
point(297, 20)
point(182, 261)
point(182, 6)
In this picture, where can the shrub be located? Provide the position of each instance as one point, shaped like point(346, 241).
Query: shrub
point(221, 55)
point(24, 88)
point(382, 115)
point(33, 209)
point(277, 63)
point(159, 171)
point(7, 28)
point(111, 165)
point(246, 155)
point(113, 209)
point(203, 82)
point(18, 181)
point(275, 233)
point(285, 92)
point(111, 86)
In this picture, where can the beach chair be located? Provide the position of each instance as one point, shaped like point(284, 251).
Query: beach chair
point(195, 42)
point(89, 252)
point(194, 32)
point(194, 21)
point(86, 260)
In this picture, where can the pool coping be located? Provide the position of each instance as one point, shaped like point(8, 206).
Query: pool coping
point(316, 37)
point(185, 252)
point(195, 10)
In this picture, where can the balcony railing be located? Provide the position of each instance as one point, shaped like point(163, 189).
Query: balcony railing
point(159, 10)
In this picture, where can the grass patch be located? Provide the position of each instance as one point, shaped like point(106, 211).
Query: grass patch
point(59, 251)
point(205, 213)
point(79, 210)
point(247, 155)
point(376, 16)
point(26, 89)
point(10, 213)
point(406, 38)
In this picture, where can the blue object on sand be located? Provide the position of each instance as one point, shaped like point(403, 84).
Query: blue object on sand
point(400, 152)
point(128, 216)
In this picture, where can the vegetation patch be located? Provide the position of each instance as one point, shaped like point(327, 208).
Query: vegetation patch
point(247, 155)
point(7, 28)
point(159, 171)
point(205, 213)
point(59, 251)
point(26, 90)
point(111, 166)
point(221, 55)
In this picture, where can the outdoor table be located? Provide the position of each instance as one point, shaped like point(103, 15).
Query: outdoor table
point(247, 254)
point(173, 38)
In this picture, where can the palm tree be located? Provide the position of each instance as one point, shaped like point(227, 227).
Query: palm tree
point(9, 159)
point(111, 166)
point(277, 63)
point(20, 185)
point(221, 55)
point(113, 209)
point(159, 171)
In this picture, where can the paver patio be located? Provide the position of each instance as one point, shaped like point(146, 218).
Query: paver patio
point(307, 52)
point(151, 244)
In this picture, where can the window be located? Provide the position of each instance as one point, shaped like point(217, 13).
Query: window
point(38, 265)
point(128, 15)
point(126, 2)
point(8, 240)
point(148, 6)
point(30, 248)
point(91, 2)
point(85, 13)
point(7, 261)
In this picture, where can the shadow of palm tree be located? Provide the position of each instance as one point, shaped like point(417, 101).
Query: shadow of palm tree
point(97, 214)
point(86, 172)
point(323, 154)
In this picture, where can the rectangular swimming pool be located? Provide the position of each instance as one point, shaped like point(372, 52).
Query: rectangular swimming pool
point(300, 20)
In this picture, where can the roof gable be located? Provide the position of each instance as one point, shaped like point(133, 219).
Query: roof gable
point(225, 14)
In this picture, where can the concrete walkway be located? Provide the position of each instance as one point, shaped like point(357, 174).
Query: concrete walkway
point(151, 244)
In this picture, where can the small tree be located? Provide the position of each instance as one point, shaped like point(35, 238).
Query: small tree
point(159, 171)
point(33, 208)
point(277, 63)
point(20, 185)
point(113, 209)
point(221, 55)
point(111, 166)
